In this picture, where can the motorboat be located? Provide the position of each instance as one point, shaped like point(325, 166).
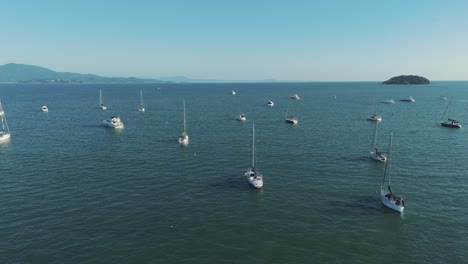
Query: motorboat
point(233, 92)
point(409, 99)
point(270, 103)
point(442, 97)
point(44, 108)
point(113, 122)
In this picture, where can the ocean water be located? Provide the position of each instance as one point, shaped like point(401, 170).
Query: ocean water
point(73, 191)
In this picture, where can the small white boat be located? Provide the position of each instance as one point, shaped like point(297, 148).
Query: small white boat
point(5, 131)
point(450, 122)
point(44, 108)
point(184, 138)
point(374, 152)
point(270, 103)
point(295, 96)
point(333, 97)
point(409, 99)
point(254, 178)
point(142, 106)
point(442, 97)
point(289, 118)
point(375, 117)
point(388, 198)
point(388, 101)
point(101, 105)
point(233, 92)
point(242, 117)
point(113, 122)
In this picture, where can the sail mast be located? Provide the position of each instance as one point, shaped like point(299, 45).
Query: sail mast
point(374, 138)
point(446, 109)
point(287, 110)
point(141, 97)
point(388, 163)
point(100, 97)
point(185, 127)
point(253, 146)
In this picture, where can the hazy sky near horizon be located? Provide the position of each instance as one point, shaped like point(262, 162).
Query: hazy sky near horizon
point(240, 40)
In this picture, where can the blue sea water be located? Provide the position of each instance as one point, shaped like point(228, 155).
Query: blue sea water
point(73, 191)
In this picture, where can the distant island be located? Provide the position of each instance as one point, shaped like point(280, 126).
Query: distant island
point(23, 73)
point(407, 79)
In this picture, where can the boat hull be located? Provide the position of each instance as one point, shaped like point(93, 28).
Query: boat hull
point(451, 125)
point(291, 121)
point(254, 180)
point(377, 118)
point(381, 157)
point(390, 203)
point(4, 137)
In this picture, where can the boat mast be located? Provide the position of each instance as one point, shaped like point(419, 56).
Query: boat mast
point(374, 139)
point(141, 97)
point(100, 97)
point(185, 126)
point(446, 109)
point(287, 110)
point(388, 163)
point(253, 146)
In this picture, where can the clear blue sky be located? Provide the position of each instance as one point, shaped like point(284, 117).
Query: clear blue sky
point(240, 40)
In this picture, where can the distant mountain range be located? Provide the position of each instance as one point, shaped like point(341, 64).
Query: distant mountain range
point(22, 73)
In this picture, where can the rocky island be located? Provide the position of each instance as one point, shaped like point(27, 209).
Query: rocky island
point(407, 79)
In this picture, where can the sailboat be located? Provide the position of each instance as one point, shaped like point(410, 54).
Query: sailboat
point(184, 138)
point(290, 119)
point(101, 105)
point(449, 122)
point(374, 152)
point(388, 198)
point(4, 132)
point(254, 177)
point(142, 106)
point(374, 116)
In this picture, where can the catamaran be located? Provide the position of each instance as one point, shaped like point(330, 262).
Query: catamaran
point(388, 198)
point(184, 138)
point(142, 106)
point(101, 105)
point(374, 152)
point(254, 177)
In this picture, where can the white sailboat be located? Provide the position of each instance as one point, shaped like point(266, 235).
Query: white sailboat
point(290, 119)
point(254, 177)
point(374, 152)
point(374, 116)
point(142, 106)
point(5, 131)
point(450, 122)
point(184, 138)
point(101, 105)
point(388, 198)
